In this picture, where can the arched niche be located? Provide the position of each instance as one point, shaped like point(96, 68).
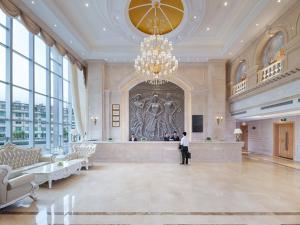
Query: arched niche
point(265, 40)
point(155, 110)
point(240, 72)
point(236, 66)
point(126, 86)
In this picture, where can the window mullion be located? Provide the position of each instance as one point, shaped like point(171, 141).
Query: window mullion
point(8, 88)
point(31, 90)
point(48, 101)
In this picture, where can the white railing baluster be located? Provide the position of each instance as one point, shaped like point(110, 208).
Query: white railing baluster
point(239, 87)
point(270, 71)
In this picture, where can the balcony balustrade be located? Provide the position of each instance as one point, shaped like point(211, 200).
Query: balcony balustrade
point(270, 71)
point(239, 87)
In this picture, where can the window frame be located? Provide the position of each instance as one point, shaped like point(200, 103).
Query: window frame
point(30, 121)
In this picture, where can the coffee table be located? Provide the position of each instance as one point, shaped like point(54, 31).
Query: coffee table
point(55, 171)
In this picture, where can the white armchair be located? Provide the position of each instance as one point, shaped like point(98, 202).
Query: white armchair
point(84, 151)
point(12, 190)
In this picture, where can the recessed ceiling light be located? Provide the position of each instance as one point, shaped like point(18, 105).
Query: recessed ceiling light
point(104, 28)
point(32, 2)
point(207, 28)
point(257, 24)
point(71, 42)
point(55, 25)
point(225, 3)
point(86, 4)
point(278, 1)
point(195, 17)
point(242, 41)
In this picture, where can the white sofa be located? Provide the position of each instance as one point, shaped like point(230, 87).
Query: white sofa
point(21, 159)
point(83, 151)
point(14, 189)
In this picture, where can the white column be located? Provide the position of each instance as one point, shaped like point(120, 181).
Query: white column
point(95, 99)
point(107, 121)
point(216, 98)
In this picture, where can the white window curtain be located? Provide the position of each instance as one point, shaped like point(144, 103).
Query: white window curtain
point(79, 99)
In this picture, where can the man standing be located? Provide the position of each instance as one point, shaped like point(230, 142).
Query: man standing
point(184, 148)
point(175, 137)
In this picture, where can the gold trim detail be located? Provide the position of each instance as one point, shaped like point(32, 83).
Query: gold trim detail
point(147, 14)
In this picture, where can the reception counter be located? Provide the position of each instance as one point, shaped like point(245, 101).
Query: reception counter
point(167, 152)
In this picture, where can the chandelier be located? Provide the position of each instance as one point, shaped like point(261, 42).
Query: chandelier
point(155, 61)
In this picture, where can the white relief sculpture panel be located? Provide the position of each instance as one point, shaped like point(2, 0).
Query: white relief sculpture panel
point(156, 109)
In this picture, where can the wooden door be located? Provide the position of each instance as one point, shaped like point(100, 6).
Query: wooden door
point(244, 129)
point(285, 140)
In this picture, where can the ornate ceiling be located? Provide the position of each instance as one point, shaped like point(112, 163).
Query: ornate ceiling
point(103, 29)
point(156, 16)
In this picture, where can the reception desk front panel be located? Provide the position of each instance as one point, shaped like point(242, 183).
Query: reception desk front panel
point(167, 152)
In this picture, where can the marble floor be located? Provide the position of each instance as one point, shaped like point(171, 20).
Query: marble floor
point(253, 192)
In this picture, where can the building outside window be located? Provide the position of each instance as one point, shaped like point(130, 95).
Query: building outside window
point(35, 99)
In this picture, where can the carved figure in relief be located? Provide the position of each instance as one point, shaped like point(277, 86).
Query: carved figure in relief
point(170, 107)
point(138, 119)
point(153, 120)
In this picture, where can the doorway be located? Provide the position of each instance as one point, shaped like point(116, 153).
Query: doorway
point(244, 129)
point(284, 139)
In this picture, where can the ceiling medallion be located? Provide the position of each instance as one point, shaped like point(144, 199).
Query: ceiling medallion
point(156, 62)
point(169, 13)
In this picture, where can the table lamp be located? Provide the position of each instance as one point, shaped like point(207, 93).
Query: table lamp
point(237, 132)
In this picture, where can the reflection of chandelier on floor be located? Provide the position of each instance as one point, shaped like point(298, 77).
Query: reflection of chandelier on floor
point(156, 62)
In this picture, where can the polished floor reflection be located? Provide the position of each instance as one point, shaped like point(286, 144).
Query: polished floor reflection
point(253, 192)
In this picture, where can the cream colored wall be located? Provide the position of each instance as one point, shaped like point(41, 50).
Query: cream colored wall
point(193, 78)
point(260, 139)
point(289, 24)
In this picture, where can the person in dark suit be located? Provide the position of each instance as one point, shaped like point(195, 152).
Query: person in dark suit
point(184, 143)
point(174, 137)
point(166, 137)
point(133, 138)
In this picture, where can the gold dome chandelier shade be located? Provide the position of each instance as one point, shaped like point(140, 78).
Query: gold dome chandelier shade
point(168, 13)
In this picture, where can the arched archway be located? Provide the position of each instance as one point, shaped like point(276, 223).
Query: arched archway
point(266, 38)
point(240, 73)
point(125, 87)
point(155, 110)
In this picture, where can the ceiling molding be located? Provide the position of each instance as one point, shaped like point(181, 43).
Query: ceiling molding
point(120, 39)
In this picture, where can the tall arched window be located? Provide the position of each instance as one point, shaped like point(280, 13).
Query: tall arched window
point(240, 72)
point(273, 50)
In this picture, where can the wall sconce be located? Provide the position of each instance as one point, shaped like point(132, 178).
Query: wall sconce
point(219, 119)
point(94, 119)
